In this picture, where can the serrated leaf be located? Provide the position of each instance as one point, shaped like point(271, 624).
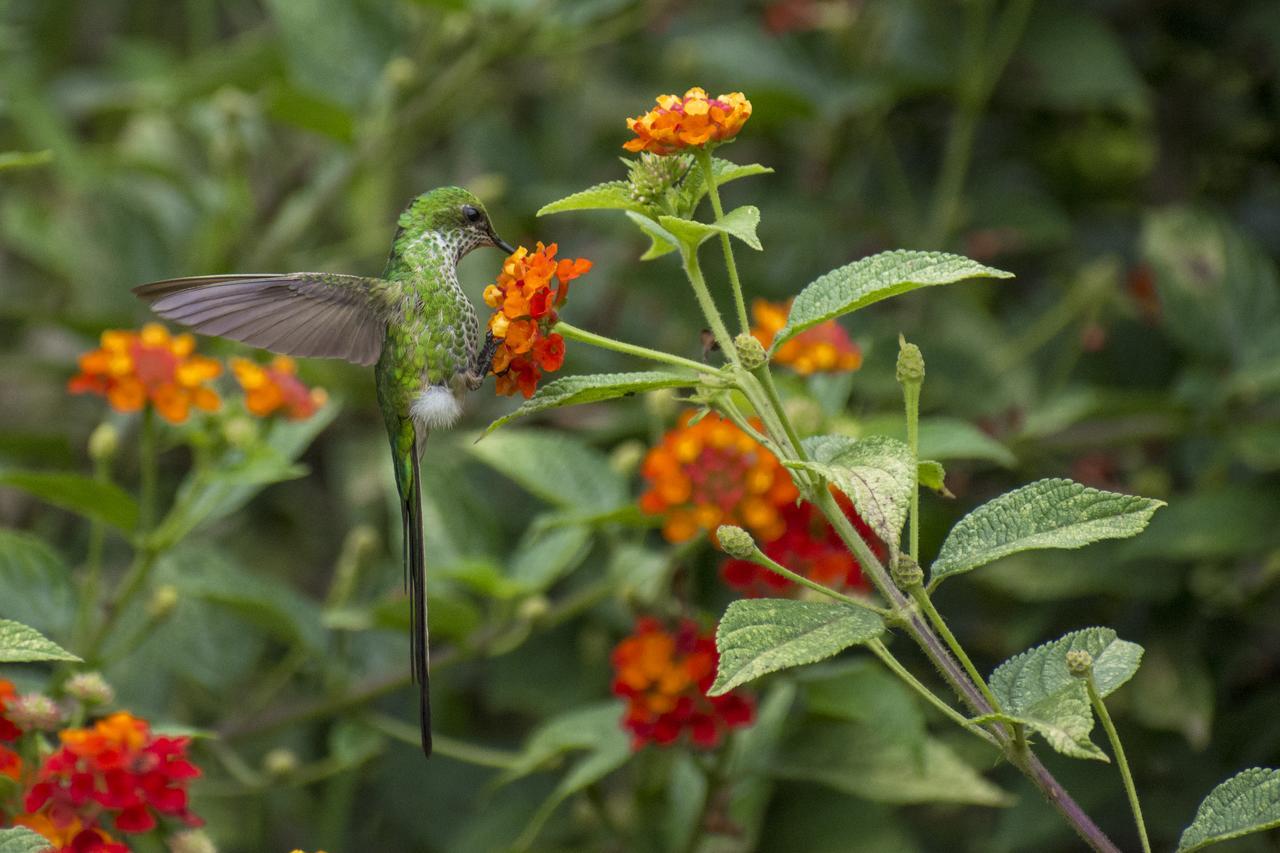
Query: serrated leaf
point(580, 477)
point(872, 279)
point(695, 186)
point(740, 222)
point(19, 839)
point(663, 242)
point(23, 644)
point(1036, 687)
point(611, 195)
point(876, 473)
point(105, 502)
point(592, 388)
point(1246, 803)
point(1051, 513)
point(763, 635)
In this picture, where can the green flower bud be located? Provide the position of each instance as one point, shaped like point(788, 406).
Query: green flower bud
point(735, 541)
point(910, 370)
point(90, 688)
point(280, 762)
point(1079, 663)
point(191, 841)
point(533, 608)
point(906, 572)
point(104, 441)
point(34, 712)
point(750, 351)
point(626, 457)
point(162, 602)
point(652, 179)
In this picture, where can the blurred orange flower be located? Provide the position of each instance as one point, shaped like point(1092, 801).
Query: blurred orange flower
point(710, 473)
point(275, 387)
point(664, 676)
point(824, 348)
point(132, 368)
point(688, 122)
point(525, 303)
point(70, 834)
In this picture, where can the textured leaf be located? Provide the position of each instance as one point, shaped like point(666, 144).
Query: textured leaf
point(22, 644)
point(592, 388)
point(764, 635)
point(872, 279)
point(554, 466)
point(1036, 687)
point(855, 759)
point(875, 472)
point(740, 222)
point(1246, 803)
point(1045, 514)
point(105, 502)
point(611, 195)
point(19, 839)
point(664, 242)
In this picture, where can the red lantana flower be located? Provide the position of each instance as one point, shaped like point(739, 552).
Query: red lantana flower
point(10, 762)
point(525, 303)
point(116, 767)
point(664, 676)
point(809, 546)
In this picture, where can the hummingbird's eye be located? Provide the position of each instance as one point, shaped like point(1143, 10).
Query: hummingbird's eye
point(473, 215)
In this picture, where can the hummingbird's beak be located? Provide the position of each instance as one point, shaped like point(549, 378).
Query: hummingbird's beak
point(501, 244)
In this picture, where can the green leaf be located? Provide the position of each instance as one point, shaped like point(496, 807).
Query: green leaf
point(944, 439)
point(1036, 688)
point(544, 556)
point(35, 583)
point(19, 839)
point(740, 223)
point(863, 691)
point(933, 476)
point(664, 242)
point(24, 159)
point(611, 195)
point(22, 644)
point(855, 759)
point(592, 388)
point(763, 635)
point(875, 472)
point(104, 502)
point(1052, 513)
point(872, 279)
point(579, 729)
point(695, 186)
point(554, 466)
point(1246, 803)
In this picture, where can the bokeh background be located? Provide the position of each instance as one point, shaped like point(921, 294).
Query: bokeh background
point(1121, 157)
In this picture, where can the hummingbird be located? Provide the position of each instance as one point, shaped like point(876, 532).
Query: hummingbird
point(414, 325)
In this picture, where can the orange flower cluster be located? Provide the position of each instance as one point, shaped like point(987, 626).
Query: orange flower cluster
point(823, 348)
point(131, 369)
point(275, 387)
point(810, 547)
point(664, 676)
point(10, 761)
point(525, 303)
point(689, 122)
point(117, 769)
point(710, 473)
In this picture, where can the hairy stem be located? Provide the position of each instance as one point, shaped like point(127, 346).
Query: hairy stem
point(575, 334)
point(693, 270)
point(911, 400)
point(931, 613)
point(880, 650)
point(708, 172)
point(1121, 762)
point(764, 561)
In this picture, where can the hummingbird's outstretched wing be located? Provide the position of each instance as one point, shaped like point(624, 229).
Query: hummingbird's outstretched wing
point(320, 315)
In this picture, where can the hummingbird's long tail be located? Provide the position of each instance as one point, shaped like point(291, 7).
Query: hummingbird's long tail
point(409, 482)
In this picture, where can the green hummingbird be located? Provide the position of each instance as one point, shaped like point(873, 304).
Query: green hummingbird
point(414, 324)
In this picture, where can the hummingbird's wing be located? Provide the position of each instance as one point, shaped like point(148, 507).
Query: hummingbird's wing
point(321, 315)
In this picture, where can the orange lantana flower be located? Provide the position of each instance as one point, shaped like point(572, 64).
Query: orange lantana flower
point(710, 473)
point(132, 369)
point(688, 122)
point(275, 387)
point(664, 676)
point(70, 834)
point(525, 303)
point(824, 348)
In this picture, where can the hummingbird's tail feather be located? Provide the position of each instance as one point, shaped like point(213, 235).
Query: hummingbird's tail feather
point(415, 568)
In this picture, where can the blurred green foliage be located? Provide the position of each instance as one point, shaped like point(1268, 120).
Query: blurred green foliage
point(1121, 157)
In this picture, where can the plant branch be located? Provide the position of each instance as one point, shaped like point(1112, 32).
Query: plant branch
point(1121, 762)
point(693, 270)
point(764, 561)
point(880, 650)
point(575, 334)
point(708, 173)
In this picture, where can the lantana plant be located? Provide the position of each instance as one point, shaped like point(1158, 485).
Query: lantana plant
point(836, 516)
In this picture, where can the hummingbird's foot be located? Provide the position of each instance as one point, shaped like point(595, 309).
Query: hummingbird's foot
point(484, 362)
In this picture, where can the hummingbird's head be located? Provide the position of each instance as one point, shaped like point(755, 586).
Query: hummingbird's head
point(457, 215)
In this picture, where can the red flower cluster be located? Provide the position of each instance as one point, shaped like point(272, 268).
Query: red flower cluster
point(809, 546)
point(664, 677)
point(117, 768)
point(10, 762)
point(525, 304)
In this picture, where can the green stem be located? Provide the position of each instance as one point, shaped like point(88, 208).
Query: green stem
point(771, 392)
point(880, 650)
point(575, 334)
point(91, 586)
point(911, 398)
point(693, 270)
point(931, 613)
point(134, 580)
point(458, 750)
point(761, 559)
point(1121, 762)
point(708, 172)
point(147, 471)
